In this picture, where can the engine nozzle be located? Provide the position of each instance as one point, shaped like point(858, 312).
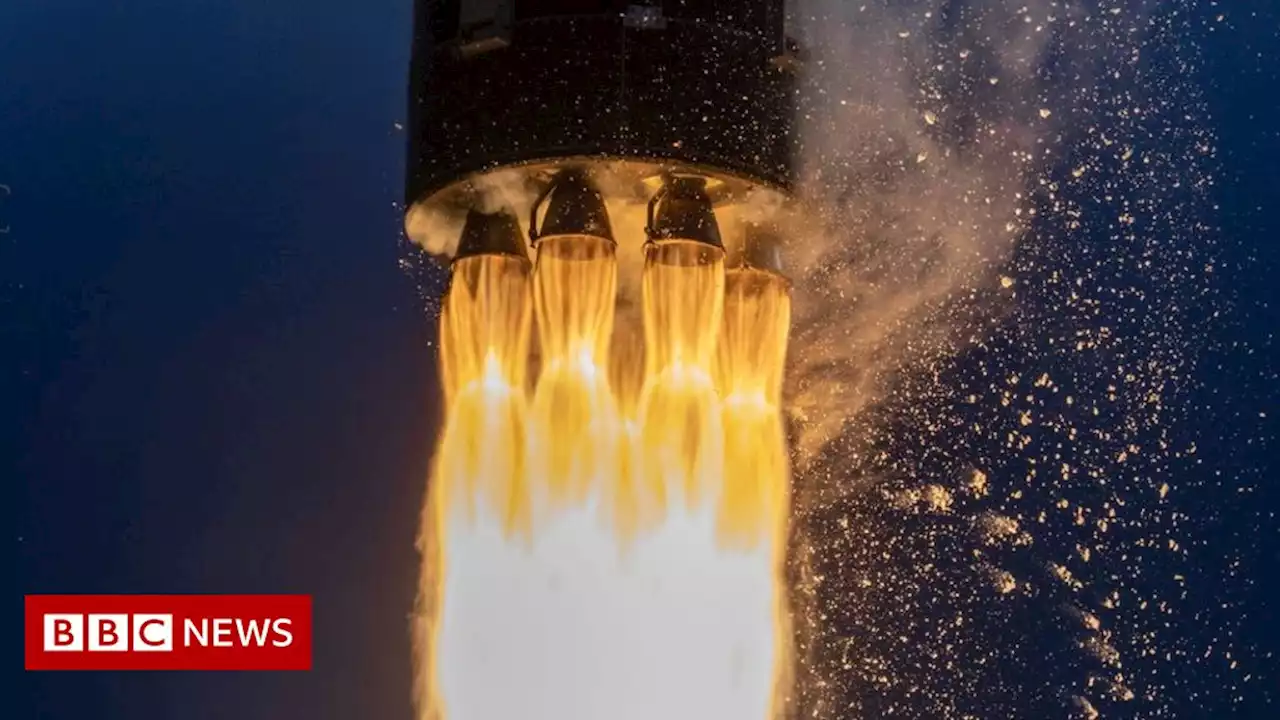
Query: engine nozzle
point(490, 234)
point(574, 207)
point(681, 210)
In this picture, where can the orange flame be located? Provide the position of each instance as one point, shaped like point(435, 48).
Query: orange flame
point(699, 433)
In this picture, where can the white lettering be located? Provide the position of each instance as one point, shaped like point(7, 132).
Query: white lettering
point(200, 634)
point(280, 627)
point(222, 632)
point(227, 631)
point(250, 630)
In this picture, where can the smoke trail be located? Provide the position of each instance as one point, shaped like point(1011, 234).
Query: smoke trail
point(1002, 241)
point(921, 129)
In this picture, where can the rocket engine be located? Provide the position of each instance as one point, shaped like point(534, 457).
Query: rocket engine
point(605, 526)
point(683, 106)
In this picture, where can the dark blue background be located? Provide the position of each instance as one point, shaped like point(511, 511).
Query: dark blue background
point(216, 375)
point(222, 374)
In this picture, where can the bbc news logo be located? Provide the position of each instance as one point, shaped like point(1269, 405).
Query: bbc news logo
point(168, 632)
point(146, 632)
point(108, 632)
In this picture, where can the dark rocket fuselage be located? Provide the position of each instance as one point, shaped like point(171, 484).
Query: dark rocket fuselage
point(694, 86)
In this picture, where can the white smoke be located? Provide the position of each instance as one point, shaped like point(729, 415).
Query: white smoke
point(921, 127)
point(437, 227)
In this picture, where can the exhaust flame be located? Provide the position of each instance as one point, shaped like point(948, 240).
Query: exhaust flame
point(485, 341)
point(484, 338)
point(575, 428)
point(752, 355)
point(604, 537)
point(681, 437)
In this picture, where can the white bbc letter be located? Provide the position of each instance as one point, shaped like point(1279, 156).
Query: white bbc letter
point(152, 633)
point(63, 632)
point(108, 632)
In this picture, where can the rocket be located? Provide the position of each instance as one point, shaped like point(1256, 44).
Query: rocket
point(682, 107)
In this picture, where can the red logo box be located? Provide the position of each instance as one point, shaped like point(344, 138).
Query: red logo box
point(168, 632)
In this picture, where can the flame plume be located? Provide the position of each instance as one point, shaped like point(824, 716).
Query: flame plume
point(575, 417)
point(484, 338)
point(681, 438)
point(602, 540)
